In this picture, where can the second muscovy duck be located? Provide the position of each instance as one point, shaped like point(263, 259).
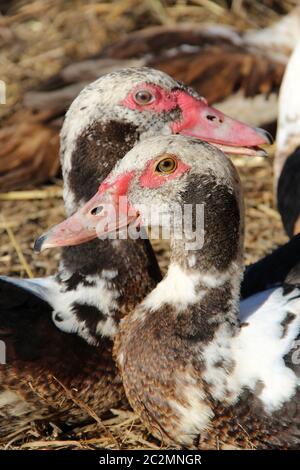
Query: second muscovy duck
point(198, 366)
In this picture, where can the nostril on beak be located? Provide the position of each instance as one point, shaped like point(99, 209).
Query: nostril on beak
point(266, 135)
point(97, 210)
point(212, 118)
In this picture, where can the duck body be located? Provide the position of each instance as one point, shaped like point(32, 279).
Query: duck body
point(288, 192)
point(209, 369)
point(218, 393)
point(198, 366)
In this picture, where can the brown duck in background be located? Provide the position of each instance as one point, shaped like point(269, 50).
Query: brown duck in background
point(222, 64)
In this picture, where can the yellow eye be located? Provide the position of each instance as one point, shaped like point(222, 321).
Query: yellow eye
point(143, 97)
point(166, 165)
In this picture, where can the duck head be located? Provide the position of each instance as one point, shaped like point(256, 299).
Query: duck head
point(152, 185)
point(124, 107)
point(151, 101)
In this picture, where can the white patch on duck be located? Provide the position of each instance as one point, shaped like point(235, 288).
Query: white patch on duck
point(260, 348)
point(178, 288)
point(11, 400)
point(107, 328)
point(100, 295)
point(218, 352)
point(256, 354)
point(106, 274)
point(181, 287)
point(195, 414)
point(288, 134)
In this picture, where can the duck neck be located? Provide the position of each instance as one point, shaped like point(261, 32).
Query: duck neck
point(96, 273)
point(207, 299)
point(93, 152)
point(204, 276)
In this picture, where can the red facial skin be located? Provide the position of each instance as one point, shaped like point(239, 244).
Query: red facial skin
point(151, 179)
point(84, 226)
point(118, 187)
point(199, 120)
point(163, 101)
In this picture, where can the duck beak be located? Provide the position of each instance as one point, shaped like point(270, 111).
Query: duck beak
point(206, 123)
point(105, 213)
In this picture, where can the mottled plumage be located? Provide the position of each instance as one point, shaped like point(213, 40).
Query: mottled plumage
point(199, 367)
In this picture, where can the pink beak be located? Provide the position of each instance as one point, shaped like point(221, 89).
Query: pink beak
point(106, 213)
point(208, 124)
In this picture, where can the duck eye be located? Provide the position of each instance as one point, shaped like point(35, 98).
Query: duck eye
point(97, 210)
point(166, 165)
point(143, 97)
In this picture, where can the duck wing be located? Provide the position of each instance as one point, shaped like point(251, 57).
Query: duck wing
point(272, 270)
point(267, 355)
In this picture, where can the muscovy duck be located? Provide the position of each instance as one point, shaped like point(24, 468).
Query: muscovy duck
point(198, 366)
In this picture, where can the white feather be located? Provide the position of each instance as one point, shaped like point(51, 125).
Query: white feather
point(257, 352)
point(43, 288)
point(177, 288)
point(288, 134)
point(260, 347)
point(280, 38)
